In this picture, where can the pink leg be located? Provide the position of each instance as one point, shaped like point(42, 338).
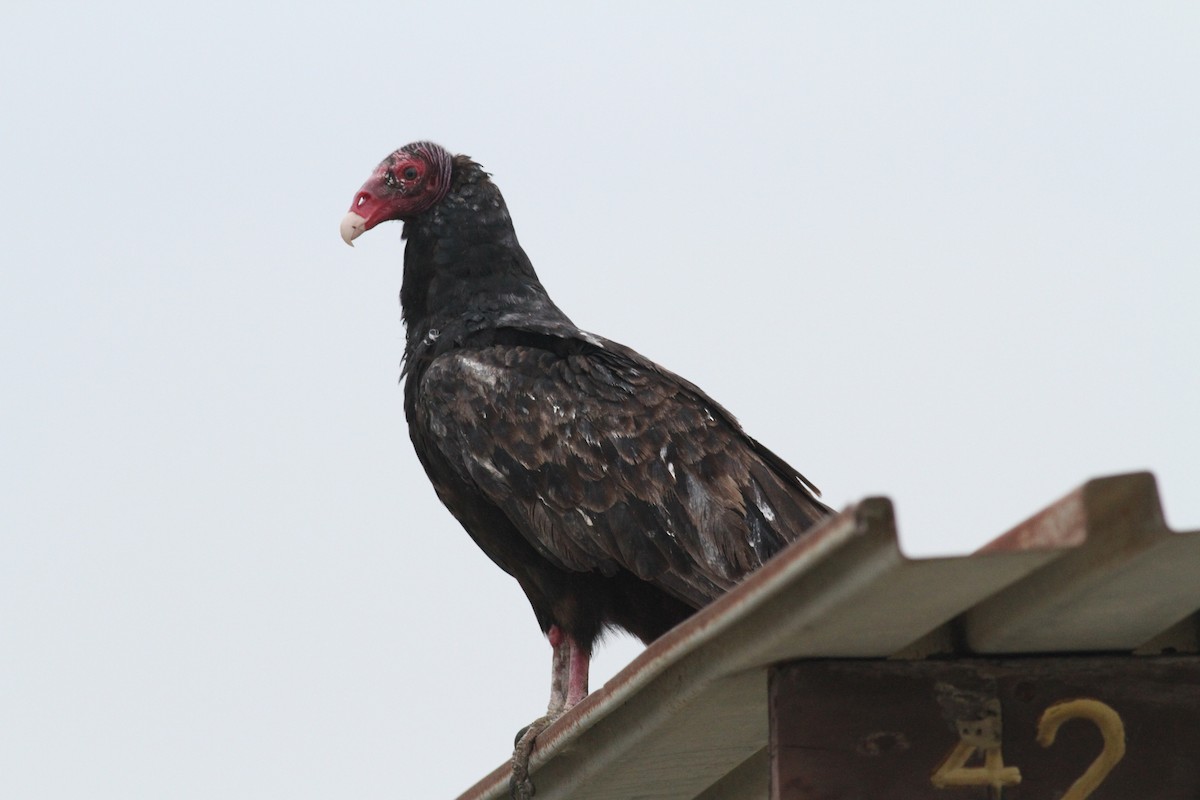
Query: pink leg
point(577, 681)
point(564, 686)
point(561, 663)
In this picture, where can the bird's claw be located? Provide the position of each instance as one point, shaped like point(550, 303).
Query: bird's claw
point(520, 785)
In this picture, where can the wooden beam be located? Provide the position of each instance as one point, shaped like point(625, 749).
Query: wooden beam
point(965, 729)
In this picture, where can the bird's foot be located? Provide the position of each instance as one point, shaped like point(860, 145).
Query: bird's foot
point(568, 685)
point(520, 786)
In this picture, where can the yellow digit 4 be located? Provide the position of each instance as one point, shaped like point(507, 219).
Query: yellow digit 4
point(954, 772)
point(979, 732)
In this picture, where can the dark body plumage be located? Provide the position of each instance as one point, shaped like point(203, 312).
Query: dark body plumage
point(615, 492)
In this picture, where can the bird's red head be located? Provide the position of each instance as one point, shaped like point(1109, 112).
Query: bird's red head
point(405, 184)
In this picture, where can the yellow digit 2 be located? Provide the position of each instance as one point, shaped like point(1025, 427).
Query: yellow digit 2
point(1111, 728)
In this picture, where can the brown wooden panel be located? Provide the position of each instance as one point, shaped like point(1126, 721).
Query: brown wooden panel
point(877, 730)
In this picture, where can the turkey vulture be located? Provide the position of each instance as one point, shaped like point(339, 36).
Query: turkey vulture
point(615, 492)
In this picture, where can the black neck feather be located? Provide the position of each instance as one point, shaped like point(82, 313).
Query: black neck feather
point(463, 267)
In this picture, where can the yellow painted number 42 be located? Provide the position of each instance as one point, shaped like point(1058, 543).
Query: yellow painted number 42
point(953, 772)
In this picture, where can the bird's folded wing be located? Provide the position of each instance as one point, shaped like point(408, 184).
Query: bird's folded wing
point(603, 460)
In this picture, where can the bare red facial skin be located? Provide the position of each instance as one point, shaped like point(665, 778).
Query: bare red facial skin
point(405, 184)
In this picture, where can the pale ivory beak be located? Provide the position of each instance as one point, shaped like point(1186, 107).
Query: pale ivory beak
point(352, 226)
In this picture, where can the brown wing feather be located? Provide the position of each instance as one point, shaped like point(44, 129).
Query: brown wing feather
point(603, 460)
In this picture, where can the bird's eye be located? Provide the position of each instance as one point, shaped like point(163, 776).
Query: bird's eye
point(410, 174)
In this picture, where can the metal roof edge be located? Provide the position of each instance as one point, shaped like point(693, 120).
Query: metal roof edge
point(1126, 577)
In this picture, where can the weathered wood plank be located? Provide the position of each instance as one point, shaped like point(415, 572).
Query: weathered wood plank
point(874, 730)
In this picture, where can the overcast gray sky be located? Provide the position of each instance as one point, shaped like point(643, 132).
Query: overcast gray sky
point(939, 251)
